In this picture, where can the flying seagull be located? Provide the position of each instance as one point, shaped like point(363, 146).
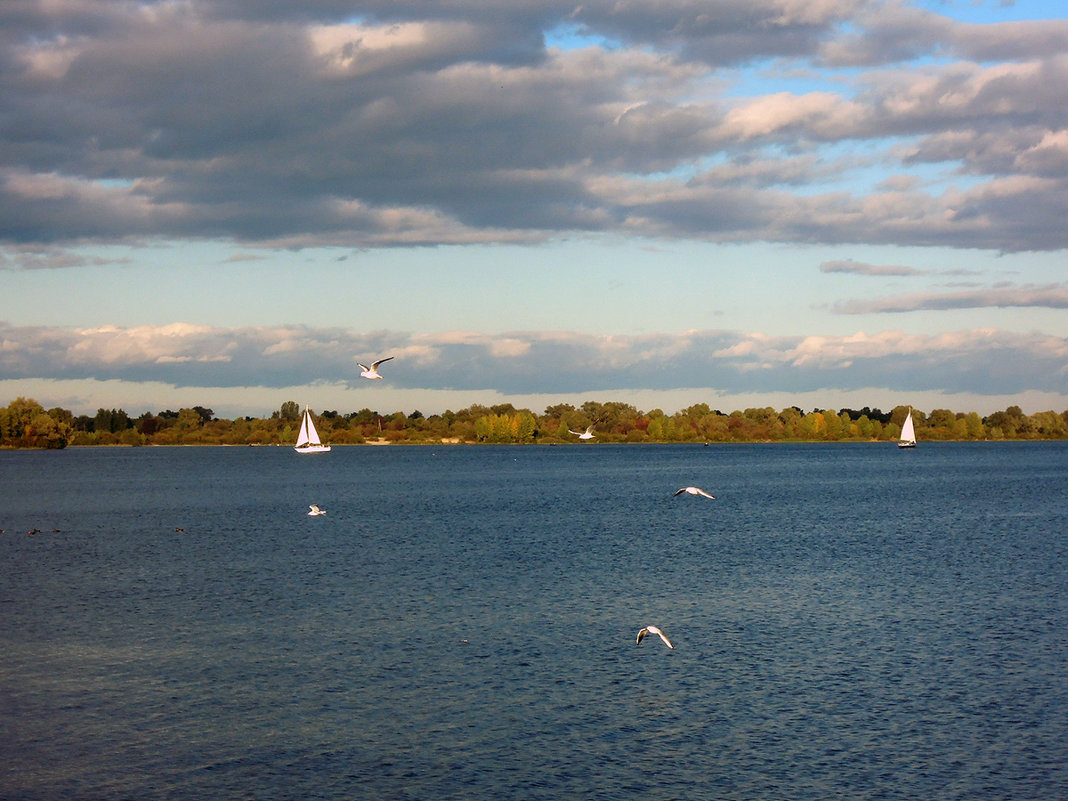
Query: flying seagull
point(694, 491)
point(372, 371)
point(657, 632)
point(587, 434)
point(315, 510)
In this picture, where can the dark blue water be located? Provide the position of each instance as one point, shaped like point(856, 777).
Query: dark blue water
point(851, 622)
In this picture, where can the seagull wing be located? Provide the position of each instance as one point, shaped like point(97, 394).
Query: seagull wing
point(695, 491)
point(678, 492)
point(657, 632)
point(375, 365)
point(364, 366)
point(664, 637)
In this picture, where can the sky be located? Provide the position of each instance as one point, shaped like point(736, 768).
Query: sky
point(744, 203)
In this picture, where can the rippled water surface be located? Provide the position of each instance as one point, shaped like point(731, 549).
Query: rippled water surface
point(851, 622)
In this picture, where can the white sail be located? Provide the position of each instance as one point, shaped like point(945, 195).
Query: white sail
point(308, 435)
point(908, 433)
point(308, 438)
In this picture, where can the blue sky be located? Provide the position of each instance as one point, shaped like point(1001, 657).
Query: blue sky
point(843, 203)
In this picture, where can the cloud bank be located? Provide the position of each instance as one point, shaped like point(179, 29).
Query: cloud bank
point(984, 362)
point(391, 124)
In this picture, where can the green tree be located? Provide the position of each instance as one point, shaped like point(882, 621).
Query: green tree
point(941, 418)
point(811, 426)
point(656, 428)
point(44, 432)
point(865, 430)
point(959, 429)
point(111, 421)
point(1005, 422)
point(558, 411)
point(206, 415)
point(713, 427)
point(791, 417)
point(940, 424)
point(526, 425)
point(20, 415)
point(289, 412)
point(1049, 425)
point(189, 420)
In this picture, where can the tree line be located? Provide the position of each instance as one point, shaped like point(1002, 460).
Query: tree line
point(24, 423)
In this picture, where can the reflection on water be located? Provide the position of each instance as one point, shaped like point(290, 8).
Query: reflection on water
point(851, 621)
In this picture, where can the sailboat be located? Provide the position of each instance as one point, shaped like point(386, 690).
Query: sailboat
point(308, 438)
point(908, 433)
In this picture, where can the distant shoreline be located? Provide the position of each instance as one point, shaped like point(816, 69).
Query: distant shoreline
point(460, 443)
point(24, 423)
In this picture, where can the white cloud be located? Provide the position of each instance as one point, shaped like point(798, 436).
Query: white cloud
point(543, 363)
point(818, 114)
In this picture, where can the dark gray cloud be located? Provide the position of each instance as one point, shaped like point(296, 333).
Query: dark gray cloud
point(984, 361)
point(895, 32)
point(426, 122)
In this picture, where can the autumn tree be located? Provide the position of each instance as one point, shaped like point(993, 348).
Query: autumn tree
point(25, 423)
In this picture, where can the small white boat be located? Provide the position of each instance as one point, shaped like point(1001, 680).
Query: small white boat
point(908, 433)
point(308, 438)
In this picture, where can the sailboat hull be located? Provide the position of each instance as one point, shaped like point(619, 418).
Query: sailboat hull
point(312, 448)
point(906, 444)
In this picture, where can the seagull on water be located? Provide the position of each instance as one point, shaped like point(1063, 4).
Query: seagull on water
point(315, 510)
point(694, 491)
point(372, 371)
point(587, 434)
point(657, 632)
